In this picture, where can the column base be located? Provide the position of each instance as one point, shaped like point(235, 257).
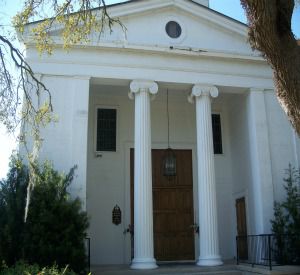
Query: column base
point(209, 261)
point(143, 263)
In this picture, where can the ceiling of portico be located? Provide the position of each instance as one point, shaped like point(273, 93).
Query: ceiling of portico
point(119, 87)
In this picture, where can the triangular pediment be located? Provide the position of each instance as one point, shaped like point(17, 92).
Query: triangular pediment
point(201, 29)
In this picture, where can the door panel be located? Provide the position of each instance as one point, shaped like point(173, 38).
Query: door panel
point(242, 228)
point(173, 212)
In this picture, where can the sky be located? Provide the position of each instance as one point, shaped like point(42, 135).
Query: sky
point(8, 8)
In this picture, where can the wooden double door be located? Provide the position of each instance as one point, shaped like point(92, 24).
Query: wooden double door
point(173, 213)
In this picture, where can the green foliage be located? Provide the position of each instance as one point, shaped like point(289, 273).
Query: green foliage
point(21, 268)
point(78, 19)
point(12, 204)
point(292, 202)
point(286, 223)
point(55, 229)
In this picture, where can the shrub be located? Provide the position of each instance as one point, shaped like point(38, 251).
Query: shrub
point(12, 203)
point(21, 268)
point(55, 229)
point(286, 223)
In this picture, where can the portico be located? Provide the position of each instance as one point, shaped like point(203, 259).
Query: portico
point(142, 121)
point(141, 91)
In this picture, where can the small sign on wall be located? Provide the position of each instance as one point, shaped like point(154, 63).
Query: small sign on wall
point(116, 215)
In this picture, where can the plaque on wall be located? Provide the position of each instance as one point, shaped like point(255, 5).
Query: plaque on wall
point(116, 215)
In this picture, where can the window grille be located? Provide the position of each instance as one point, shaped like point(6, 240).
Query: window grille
point(106, 130)
point(217, 134)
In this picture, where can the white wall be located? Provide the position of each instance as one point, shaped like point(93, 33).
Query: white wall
point(284, 143)
point(106, 185)
point(223, 167)
point(65, 142)
point(240, 156)
point(276, 146)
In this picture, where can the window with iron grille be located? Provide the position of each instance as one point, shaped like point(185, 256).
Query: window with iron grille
point(217, 133)
point(106, 129)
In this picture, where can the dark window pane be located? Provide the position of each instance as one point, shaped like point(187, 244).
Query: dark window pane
point(217, 134)
point(106, 129)
point(173, 29)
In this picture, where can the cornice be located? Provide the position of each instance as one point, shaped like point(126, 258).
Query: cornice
point(163, 49)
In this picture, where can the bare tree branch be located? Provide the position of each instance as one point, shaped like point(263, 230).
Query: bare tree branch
point(11, 87)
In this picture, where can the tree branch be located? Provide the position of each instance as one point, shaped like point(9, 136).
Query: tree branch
point(28, 84)
point(270, 32)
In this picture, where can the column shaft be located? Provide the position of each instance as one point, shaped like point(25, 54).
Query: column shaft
point(208, 225)
point(143, 209)
point(261, 190)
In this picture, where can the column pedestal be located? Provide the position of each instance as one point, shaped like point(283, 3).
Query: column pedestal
point(143, 209)
point(208, 225)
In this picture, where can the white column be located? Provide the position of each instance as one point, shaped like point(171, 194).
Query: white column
point(208, 225)
point(262, 184)
point(79, 138)
point(143, 209)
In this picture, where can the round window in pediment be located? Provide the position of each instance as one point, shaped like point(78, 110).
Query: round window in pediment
point(173, 29)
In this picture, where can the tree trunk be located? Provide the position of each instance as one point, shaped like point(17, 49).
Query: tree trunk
point(270, 33)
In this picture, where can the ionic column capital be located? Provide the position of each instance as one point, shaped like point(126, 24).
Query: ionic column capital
point(203, 90)
point(137, 86)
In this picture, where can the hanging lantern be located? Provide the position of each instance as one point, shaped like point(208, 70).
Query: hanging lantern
point(169, 161)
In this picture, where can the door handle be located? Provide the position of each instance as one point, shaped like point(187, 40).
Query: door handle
point(195, 226)
point(129, 230)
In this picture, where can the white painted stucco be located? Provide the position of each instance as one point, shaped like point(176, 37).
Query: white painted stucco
point(258, 141)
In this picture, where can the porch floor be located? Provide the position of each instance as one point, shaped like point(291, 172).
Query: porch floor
point(229, 268)
point(167, 269)
point(276, 270)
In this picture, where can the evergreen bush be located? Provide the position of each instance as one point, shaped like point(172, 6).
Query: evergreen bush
point(55, 229)
point(286, 223)
point(12, 204)
point(22, 268)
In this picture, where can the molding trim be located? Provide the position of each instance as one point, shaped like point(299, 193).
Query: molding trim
point(159, 49)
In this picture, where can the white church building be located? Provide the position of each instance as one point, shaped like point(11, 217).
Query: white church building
point(182, 76)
